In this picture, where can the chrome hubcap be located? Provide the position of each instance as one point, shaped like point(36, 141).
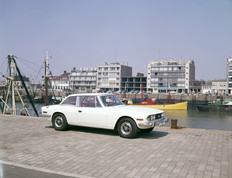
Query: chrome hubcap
point(59, 121)
point(126, 128)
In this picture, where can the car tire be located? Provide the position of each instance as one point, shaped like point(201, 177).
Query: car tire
point(146, 130)
point(59, 122)
point(127, 128)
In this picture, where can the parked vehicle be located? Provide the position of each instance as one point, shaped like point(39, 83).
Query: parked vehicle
point(103, 111)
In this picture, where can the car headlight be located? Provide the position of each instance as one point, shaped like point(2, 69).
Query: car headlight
point(151, 117)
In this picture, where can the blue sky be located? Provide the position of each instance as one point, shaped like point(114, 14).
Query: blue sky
point(86, 33)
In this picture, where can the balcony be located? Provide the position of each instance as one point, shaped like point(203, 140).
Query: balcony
point(83, 80)
point(84, 84)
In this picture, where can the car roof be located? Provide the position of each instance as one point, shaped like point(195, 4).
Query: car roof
point(90, 94)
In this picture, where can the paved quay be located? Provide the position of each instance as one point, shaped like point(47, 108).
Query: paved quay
point(32, 143)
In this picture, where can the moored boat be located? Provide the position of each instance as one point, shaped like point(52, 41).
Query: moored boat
point(208, 108)
point(151, 103)
point(176, 106)
point(220, 106)
point(203, 108)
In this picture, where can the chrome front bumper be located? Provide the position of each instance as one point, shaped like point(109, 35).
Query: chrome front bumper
point(159, 122)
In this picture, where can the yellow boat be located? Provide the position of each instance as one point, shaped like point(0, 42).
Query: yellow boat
point(176, 106)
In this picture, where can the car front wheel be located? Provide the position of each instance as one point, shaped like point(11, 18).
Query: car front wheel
point(59, 122)
point(127, 128)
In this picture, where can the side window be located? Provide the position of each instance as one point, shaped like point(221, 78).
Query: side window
point(89, 101)
point(108, 100)
point(111, 100)
point(70, 101)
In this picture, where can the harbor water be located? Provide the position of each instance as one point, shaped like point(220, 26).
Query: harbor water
point(189, 119)
point(202, 120)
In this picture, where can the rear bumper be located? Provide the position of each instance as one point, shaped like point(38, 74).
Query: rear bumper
point(160, 122)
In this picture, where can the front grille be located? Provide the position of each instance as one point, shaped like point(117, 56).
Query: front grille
point(158, 116)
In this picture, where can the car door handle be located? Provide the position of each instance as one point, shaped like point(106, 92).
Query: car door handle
point(79, 111)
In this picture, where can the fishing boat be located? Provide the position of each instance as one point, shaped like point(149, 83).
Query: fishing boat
point(176, 106)
point(151, 103)
point(218, 105)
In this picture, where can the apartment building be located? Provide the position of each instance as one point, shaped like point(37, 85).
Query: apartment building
point(170, 74)
point(83, 79)
point(229, 75)
point(109, 75)
point(134, 83)
point(196, 86)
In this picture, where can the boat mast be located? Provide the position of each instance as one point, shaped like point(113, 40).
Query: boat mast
point(169, 93)
point(141, 90)
point(12, 83)
point(46, 77)
point(25, 87)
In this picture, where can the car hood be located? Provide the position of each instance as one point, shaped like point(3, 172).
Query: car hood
point(137, 110)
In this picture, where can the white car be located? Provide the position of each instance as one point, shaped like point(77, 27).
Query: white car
point(106, 111)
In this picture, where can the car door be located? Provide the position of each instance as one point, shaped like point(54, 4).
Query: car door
point(90, 112)
point(69, 108)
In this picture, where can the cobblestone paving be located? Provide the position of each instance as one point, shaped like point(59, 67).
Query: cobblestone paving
point(86, 152)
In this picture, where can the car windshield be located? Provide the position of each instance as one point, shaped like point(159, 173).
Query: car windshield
point(111, 100)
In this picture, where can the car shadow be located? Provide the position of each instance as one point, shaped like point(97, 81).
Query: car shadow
point(152, 135)
point(93, 130)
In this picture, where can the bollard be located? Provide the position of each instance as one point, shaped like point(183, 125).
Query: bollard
point(173, 123)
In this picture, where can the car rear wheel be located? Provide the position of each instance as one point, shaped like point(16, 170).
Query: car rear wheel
point(59, 122)
point(127, 128)
point(146, 130)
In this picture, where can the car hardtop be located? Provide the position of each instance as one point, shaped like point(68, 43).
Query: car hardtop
point(87, 94)
point(90, 94)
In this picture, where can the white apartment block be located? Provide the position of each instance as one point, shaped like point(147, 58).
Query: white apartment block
point(83, 79)
point(109, 76)
point(229, 75)
point(170, 74)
